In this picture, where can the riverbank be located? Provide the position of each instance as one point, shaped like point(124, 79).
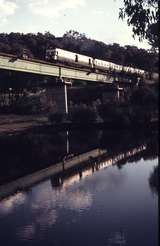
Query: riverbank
point(13, 123)
point(10, 124)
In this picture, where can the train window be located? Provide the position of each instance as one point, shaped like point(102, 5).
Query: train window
point(25, 56)
point(52, 53)
point(89, 61)
point(76, 58)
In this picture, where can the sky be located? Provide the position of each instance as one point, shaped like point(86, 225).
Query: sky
point(98, 19)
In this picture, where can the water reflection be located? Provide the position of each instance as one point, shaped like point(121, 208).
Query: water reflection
point(153, 179)
point(64, 179)
point(41, 148)
point(118, 238)
point(27, 232)
point(11, 202)
point(96, 198)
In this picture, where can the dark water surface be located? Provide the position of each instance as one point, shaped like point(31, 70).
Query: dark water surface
point(106, 204)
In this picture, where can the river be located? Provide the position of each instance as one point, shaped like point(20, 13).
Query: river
point(107, 201)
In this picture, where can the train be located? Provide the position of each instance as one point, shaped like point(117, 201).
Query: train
point(64, 56)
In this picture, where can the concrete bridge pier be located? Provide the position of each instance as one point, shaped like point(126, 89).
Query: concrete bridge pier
point(57, 97)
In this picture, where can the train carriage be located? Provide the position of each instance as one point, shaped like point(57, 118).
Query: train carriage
point(51, 54)
point(75, 59)
point(60, 55)
point(117, 68)
point(86, 60)
point(68, 56)
point(101, 64)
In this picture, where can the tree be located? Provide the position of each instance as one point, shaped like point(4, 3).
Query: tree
point(36, 45)
point(74, 35)
point(145, 96)
point(143, 15)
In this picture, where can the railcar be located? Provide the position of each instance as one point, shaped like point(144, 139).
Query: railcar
point(137, 71)
point(132, 70)
point(86, 60)
point(141, 71)
point(65, 56)
point(117, 68)
point(112, 66)
point(101, 64)
point(51, 54)
point(68, 56)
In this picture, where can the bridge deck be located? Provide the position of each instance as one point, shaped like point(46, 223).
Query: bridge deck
point(11, 62)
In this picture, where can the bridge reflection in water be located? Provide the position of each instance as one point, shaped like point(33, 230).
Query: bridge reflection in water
point(69, 171)
point(65, 179)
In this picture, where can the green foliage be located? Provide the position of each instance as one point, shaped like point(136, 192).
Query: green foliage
point(74, 35)
point(143, 16)
point(115, 113)
point(29, 105)
point(140, 116)
point(144, 96)
point(36, 45)
point(140, 108)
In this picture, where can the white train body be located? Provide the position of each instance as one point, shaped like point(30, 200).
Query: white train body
point(79, 59)
point(64, 55)
point(101, 64)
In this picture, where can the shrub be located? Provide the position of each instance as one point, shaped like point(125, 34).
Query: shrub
point(83, 115)
point(29, 105)
point(115, 113)
point(144, 96)
point(140, 115)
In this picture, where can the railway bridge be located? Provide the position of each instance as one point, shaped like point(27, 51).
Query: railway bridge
point(61, 74)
